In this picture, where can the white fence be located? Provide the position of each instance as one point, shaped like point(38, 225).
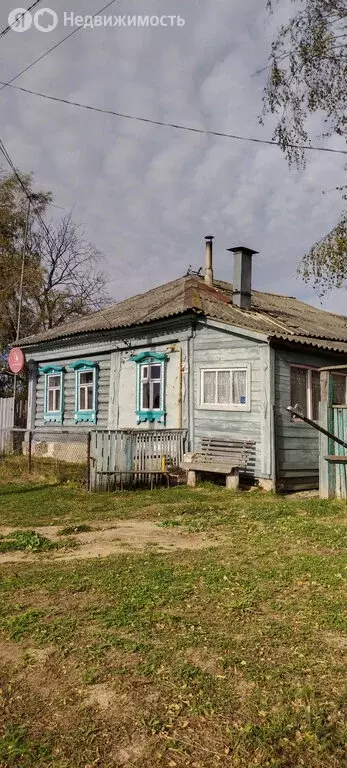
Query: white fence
point(6, 420)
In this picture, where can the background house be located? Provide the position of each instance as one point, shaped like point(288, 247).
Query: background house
point(196, 354)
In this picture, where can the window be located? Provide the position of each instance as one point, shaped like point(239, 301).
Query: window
point(53, 392)
point(86, 376)
point(305, 391)
point(339, 388)
point(151, 376)
point(85, 390)
point(225, 389)
point(150, 386)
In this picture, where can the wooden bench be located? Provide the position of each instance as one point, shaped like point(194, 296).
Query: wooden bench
point(218, 455)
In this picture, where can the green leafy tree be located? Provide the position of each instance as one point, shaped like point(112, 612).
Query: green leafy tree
point(307, 76)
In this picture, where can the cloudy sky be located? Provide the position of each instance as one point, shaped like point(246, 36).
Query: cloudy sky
point(147, 195)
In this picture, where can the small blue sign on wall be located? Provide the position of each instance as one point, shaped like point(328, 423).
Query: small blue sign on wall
point(243, 399)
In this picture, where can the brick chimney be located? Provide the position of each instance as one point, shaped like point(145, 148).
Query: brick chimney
point(242, 282)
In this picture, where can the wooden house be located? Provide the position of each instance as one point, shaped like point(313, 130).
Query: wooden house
point(196, 354)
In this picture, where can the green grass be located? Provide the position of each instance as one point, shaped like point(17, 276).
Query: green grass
point(228, 656)
point(207, 506)
point(14, 469)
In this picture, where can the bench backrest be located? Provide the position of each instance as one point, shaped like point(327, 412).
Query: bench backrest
point(215, 449)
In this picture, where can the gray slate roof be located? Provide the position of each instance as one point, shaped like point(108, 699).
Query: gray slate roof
point(278, 317)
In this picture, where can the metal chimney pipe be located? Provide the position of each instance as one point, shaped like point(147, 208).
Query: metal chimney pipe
point(242, 282)
point(209, 260)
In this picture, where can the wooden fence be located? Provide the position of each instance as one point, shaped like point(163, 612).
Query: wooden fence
point(6, 422)
point(332, 455)
point(133, 456)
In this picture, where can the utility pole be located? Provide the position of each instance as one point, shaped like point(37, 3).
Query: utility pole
point(20, 300)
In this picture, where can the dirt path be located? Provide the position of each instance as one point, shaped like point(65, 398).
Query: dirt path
point(112, 537)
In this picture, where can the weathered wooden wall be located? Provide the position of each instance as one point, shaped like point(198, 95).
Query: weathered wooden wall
point(117, 376)
point(214, 346)
point(69, 394)
point(297, 444)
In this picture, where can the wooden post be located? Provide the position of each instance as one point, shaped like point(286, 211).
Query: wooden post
point(232, 481)
point(89, 438)
point(30, 447)
point(191, 478)
point(327, 472)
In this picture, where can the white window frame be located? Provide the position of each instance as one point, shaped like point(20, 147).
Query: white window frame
point(309, 399)
point(232, 406)
point(151, 381)
point(85, 387)
point(54, 389)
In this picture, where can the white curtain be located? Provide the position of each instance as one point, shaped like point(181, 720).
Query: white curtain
point(239, 387)
point(223, 387)
point(209, 387)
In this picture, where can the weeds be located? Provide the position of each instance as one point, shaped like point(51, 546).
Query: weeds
point(71, 530)
point(25, 541)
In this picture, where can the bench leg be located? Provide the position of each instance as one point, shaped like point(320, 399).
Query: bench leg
point(232, 481)
point(191, 478)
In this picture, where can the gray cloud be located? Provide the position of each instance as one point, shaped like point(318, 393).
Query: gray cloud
point(147, 195)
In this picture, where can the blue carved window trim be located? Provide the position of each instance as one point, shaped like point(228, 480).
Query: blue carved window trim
point(47, 371)
point(142, 360)
point(85, 414)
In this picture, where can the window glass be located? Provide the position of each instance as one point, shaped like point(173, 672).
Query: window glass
point(53, 400)
point(82, 399)
point(54, 381)
point(339, 389)
point(86, 378)
point(209, 386)
point(53, 394)
point(145, 394)
point(155, 371)
point(90, 393)
point(86, 391)
point(223, 387)
point(298, 389)
point(156, 394)
point(151, 387)
point(239, 387)
point(315, 395)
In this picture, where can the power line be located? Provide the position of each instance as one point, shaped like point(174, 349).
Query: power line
point(177, 126)
point(20, 16)
point(30, 197)
point(54, 47)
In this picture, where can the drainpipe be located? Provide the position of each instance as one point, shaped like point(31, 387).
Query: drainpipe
point(180, 377)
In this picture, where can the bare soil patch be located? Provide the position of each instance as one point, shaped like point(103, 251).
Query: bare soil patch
point(120, 536)
point(336, 640)
point(205, 660)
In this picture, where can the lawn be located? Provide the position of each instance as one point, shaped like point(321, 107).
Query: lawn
point(231, 655)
